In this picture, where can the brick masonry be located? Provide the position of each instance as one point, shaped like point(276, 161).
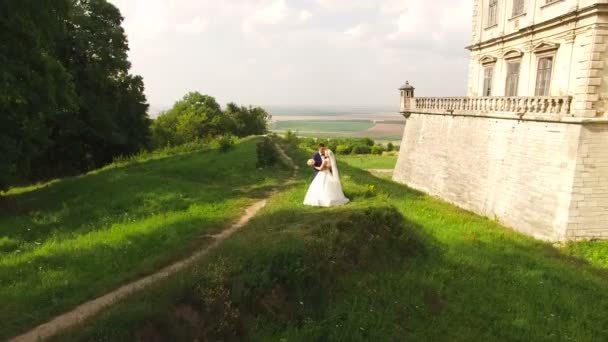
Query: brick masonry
point(548, 180)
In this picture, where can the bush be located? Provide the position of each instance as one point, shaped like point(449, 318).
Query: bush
point(267, 155)
point(344, 149)
point(224, 143)
point(292, 138)
point(361, 149)
point(367, 141)
point(390, 147)
point(377, 149)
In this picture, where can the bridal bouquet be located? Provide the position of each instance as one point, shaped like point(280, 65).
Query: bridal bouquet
point(310, 163)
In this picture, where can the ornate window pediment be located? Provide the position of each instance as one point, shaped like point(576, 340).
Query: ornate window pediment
point(545, 47)
point(513, 54)
point(487, 59)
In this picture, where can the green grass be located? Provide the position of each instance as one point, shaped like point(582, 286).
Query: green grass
point(596, 252)
point(324, 126)
point(393, 265)
point(367, 162)
point(76, 238)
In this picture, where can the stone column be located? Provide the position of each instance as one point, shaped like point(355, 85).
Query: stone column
point(589, 74)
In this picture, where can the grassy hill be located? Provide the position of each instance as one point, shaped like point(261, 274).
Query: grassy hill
point(73, 239)
point(393, 265)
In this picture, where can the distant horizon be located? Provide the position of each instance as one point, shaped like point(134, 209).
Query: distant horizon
point(303, 109)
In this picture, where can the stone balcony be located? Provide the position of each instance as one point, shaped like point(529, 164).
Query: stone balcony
point(551, 108)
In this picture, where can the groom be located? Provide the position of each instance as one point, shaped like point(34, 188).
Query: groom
point(318, 157)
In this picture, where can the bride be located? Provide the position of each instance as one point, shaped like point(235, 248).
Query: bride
point(326, 189)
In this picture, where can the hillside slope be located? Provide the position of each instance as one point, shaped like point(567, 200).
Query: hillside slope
point(73, 239)
point(392, 265)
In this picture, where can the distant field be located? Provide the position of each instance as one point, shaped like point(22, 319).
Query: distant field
point(381, 130)
point(324, 126)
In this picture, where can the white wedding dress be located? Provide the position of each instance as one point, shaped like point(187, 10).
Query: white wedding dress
point(326, 189)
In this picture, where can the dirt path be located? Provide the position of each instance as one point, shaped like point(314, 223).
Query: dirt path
point(93, 307)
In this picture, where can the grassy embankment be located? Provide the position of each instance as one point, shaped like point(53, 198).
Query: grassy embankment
point(394, 264)
point(73, 239)
point(370, 161)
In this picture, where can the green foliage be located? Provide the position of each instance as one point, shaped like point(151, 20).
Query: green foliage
point(291, 138)
point(68, 102)
point(199, 117)
point(361, 149)
point(377, 149)
point(224, 143)
point(367, 141)
point(344, 149)
point(343, 146)
point(247, 121)
point(390, 147)
point(266, 152)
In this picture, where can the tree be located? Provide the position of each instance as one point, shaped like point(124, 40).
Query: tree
point(247, 121)
point(194, 117)
point(112, 117)
point(67, 100)
point(34, 85)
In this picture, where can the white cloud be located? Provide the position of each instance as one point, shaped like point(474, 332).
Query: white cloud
point(357, 31)
point(351, 52)
point(196, 26)
point(270, 14)
point(305, 15)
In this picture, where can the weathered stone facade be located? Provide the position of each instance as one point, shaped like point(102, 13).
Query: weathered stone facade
point(535, 162)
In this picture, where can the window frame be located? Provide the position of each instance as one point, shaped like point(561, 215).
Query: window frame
point(518, 8)
point(488, 82)
point(548, 82)
point(508, 81)
point(492, 13)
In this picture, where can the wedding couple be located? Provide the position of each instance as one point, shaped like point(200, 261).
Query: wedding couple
point(325, 189)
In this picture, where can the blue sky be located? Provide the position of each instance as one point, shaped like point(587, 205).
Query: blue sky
point(347, 53)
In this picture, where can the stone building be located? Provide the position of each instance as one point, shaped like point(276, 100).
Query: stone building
point(528, 146)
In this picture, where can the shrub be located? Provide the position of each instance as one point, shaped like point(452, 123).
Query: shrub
point(344, 149)
point(377, 149)
point(267, 155)
point(367, 141)
point(390, 147)
point(224, 143)
point(292, 138)
point(361, 149)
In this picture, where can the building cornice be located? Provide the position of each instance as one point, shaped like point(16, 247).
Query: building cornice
point(545, 25)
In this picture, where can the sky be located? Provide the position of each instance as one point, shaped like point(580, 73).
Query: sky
point(313, 53)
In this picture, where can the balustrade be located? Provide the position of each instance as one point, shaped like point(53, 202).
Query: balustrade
point(552, 105)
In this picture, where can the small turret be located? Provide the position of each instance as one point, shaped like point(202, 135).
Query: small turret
point(407, 95)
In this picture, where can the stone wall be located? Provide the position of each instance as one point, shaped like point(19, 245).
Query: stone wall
point(589, 208)
point(546, 179)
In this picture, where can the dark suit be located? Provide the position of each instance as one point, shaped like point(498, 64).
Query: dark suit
point(318, 160)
